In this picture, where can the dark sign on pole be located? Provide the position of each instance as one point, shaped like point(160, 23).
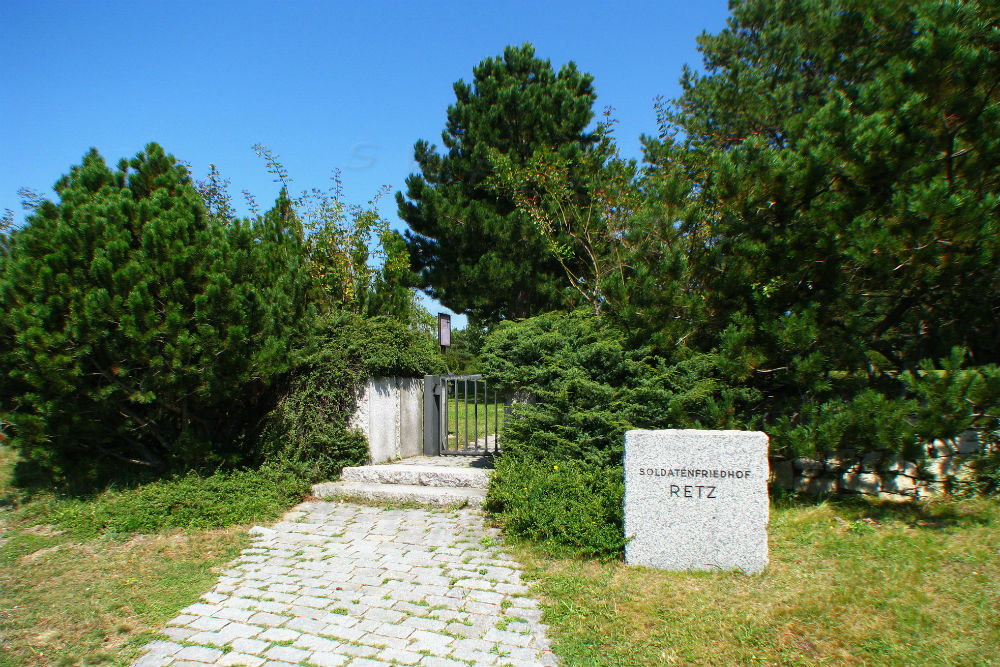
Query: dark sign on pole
point(444, 330)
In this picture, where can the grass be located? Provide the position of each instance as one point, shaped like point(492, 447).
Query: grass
point(89, 581)
point(849, 583)
point(475, 420)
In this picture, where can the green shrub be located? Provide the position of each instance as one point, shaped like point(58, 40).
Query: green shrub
point(308, 428)
point(588, 386)
point(986, 472)
point(559, 479)
point(572, 507)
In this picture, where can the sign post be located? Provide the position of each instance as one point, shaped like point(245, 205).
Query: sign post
point(444, 332)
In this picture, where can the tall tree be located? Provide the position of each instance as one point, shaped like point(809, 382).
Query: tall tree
point(846, 158)
point(471, 246)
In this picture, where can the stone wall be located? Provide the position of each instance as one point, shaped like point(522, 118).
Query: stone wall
point(389, 412)
point(877, 473)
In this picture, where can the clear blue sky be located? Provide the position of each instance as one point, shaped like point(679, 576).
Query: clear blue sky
point(324, 84)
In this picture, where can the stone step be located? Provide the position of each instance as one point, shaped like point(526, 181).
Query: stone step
point(418, 475)
point(401, 493)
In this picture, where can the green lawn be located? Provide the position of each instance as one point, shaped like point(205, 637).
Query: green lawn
point(80, 586)
point(849, 583)
point(474, 421)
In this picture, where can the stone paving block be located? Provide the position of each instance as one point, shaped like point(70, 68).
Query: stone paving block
point(160, 647)
point(434, 661)
point(473, 644)
point(386, 615)
point(389, 576)
point(462, 629)
point(359, 650)
point(327, 659)
point(153, 660)
point(342, 633)
point(504, 637)
point(199, 653)
point(314, 643)
point(306, 624)
point(183, 619)
point(478, 658)
point(234, 614)
point(424, 623)
point(178, 634)
point(279, 635)
point(286, 598)
point(236, 630)
point(201, 609)
point(288, 653)
point(310, 601)
point(398, 631)
point(383, 641)
point(250, 645)
point(399, 656)
point(268, 619)
point(365, 662)
point(410, 608)
point(208, 638)
point(235, 658)
point(533, 615)
point(485, 608)
point(521, 655)
point(519, 628)
point(489, 597)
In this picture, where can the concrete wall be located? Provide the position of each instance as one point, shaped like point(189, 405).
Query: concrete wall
point(389, 412)
point(877, 473)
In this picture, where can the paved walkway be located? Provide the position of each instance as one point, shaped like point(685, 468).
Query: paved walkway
point(344, 585)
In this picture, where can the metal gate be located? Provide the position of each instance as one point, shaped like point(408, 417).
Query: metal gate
point(462, 416)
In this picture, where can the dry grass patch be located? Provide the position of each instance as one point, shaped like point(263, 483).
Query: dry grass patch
point(97, 601)
point(848, 584)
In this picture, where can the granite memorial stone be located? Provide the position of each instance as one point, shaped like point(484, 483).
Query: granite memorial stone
point(696, 500)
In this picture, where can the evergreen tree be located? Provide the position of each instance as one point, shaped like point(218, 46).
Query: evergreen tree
point(847, 163)
point(134, 326)
point(473, 249)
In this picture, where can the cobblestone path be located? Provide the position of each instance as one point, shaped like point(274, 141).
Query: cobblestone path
point(343, 585)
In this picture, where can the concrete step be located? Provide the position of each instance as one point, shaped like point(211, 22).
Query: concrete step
point(401, 493)
point(418, 475)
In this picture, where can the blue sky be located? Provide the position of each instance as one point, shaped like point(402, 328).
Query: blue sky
point(325, 85)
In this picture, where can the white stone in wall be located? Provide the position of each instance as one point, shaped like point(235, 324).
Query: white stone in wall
point(899, 484)
point(860, 482)
point(389, 412)
point(815, 485)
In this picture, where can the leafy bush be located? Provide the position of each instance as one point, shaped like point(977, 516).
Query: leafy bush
point(187, 501)
point(307, 429)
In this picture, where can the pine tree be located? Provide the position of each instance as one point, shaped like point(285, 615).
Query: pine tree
point(135, 327)
point(472, 248)
point(847, 163)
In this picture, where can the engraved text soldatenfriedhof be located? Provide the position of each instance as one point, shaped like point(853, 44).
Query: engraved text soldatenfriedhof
point(696, 500)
